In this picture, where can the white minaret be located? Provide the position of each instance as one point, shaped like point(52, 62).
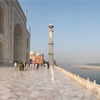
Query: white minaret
point(51, 44)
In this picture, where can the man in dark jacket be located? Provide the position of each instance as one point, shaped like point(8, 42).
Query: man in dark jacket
point(48, 65)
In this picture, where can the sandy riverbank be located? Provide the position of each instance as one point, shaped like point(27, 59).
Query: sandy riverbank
point(87, 67)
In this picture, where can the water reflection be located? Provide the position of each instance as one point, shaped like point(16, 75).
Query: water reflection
point(84, 73)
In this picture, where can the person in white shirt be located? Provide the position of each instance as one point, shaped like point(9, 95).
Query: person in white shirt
point(15, 64)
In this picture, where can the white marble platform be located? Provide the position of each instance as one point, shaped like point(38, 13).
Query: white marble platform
point(40, 84)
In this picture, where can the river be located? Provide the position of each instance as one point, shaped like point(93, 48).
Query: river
point(84, 73)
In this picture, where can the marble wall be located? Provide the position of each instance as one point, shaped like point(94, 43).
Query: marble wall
point(13, 33)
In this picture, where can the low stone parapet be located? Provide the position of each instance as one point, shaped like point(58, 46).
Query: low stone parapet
point(92, 86)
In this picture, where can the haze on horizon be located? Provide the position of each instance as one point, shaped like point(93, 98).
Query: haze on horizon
point(76, 29)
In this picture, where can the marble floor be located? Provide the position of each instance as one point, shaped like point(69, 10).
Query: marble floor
point(40, 84)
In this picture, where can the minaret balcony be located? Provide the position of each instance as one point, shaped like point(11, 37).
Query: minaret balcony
point(51, 43)
point(50, 53)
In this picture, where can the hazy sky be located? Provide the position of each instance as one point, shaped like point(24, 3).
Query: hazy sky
point(76, 28)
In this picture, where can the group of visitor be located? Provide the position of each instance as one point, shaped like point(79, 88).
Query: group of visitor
point(36, 65)
point(21, 65)
point(24, 65)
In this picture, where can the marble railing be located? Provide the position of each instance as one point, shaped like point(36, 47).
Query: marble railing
point(92, 86)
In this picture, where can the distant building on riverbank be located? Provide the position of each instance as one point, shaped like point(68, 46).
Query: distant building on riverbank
point(36, 58)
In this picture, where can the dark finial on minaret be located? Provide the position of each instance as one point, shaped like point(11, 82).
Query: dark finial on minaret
point(51, 26)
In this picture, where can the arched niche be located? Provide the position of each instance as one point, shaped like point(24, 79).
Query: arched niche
point(1, 20)
point(1, 53)
point(18, 43)
point(27, 57)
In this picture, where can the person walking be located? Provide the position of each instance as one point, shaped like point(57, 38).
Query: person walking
point(26, 66)
point(20, 66)
point(23, 66)
point(33, 65)
point(37, 65)
point(15, 64)
point(48, 65)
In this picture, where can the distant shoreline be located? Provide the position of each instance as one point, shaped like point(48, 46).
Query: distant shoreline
point(87, 67)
